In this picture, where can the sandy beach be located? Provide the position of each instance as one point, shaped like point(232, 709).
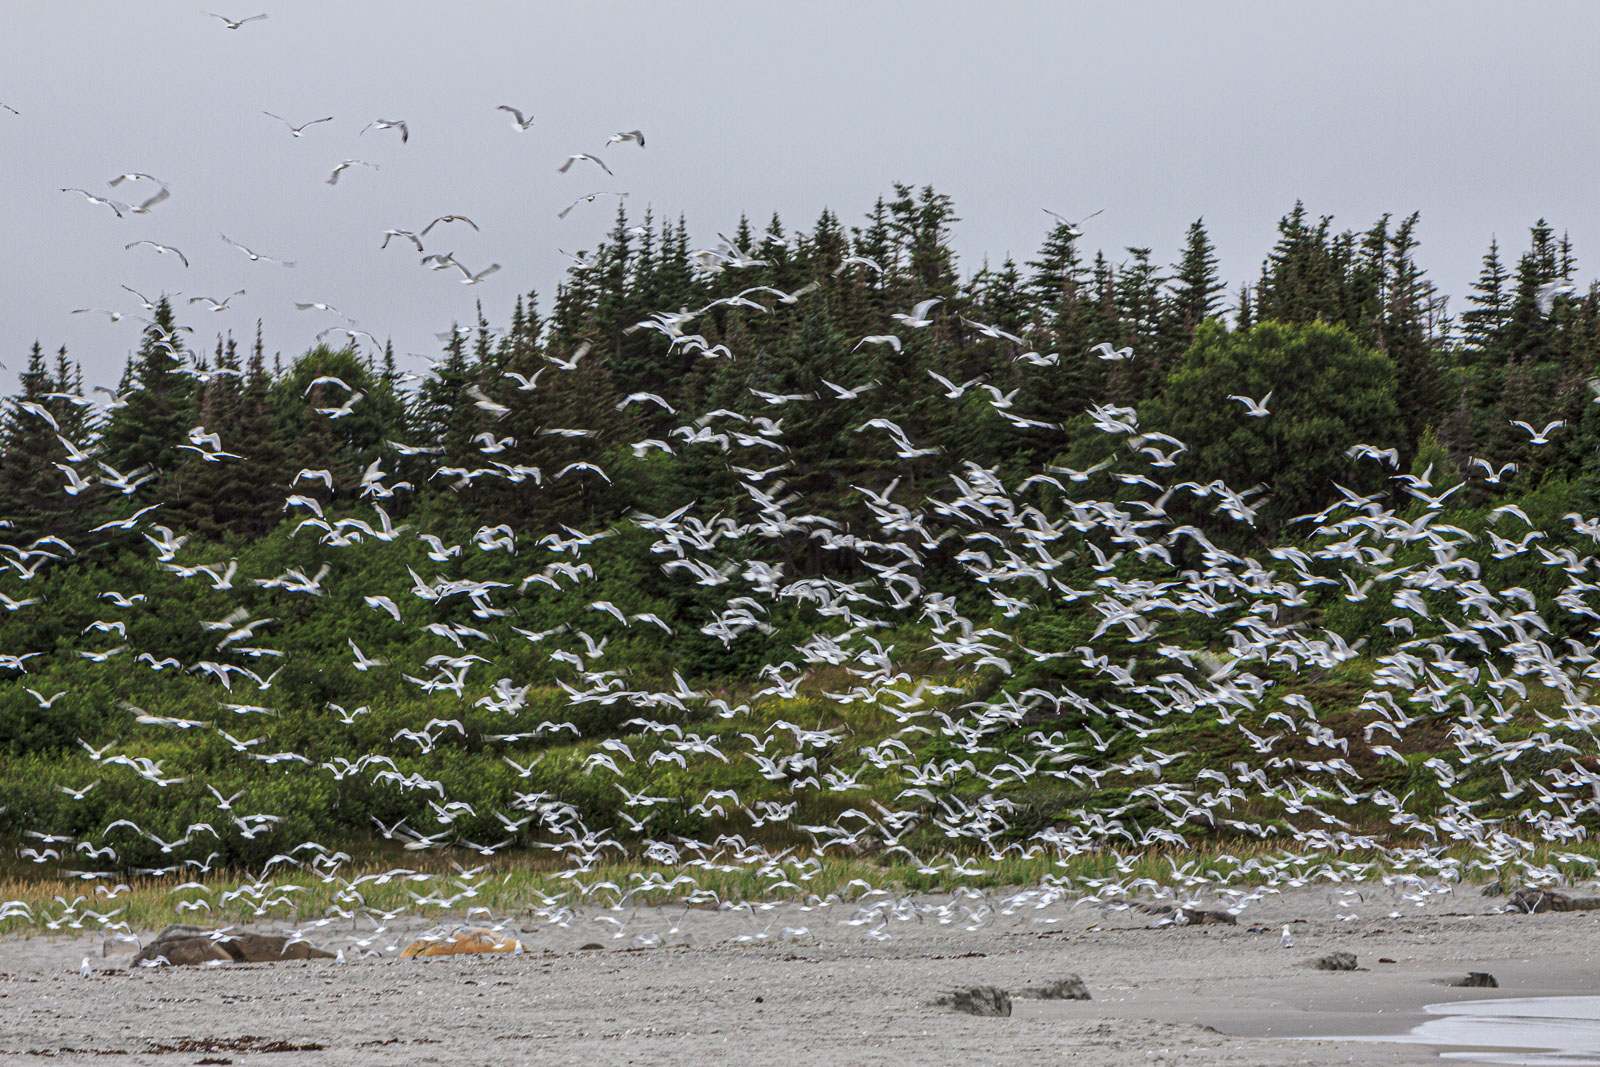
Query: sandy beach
point(757, 989)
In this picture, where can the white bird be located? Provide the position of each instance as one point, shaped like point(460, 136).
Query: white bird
point(879, 339)
point(234, 24)
point(255, 257)
point(389, 124)
point(589, 199)
point(473, 279)
point(115, 205)
point(1540, 437)
point(1285, 940)
point(1105, 351)
point(918, 318)
point(407, 234)
point(517, 119)
point(1546, 297)
point(627, 135)
point(216, 305)
point(293, 129)
point(333, 179)
point(448, 218)
point(576, 156)
point(1254, 409)
point(163, 249)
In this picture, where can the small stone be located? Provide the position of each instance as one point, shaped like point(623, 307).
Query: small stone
point(1477, 980)
point(1069, 988)
point(1384, 959)
point(978, 1000)
point(1337, 961)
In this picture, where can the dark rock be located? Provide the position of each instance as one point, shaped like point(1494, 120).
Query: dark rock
point(1495, 888)
point(1069, 988)
point(978, 1000)
point(1186, 916)
point(593, 946)
point(1530, 901)
point(1477, 980)
point(1337, 961)
point(182, 945)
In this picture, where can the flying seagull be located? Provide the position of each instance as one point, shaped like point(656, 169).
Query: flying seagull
point(627, 135)
point(448, 218)
point(1255, 409)
point(517, 119)
point(216, 305)
point(407, 234)
point(114, 205)
point(234, 24)
point(293, 129)
point(564, 212)
point(474, 279)
point(163, 249)
point(389, 124)
point(256, 257)
point(333, 179)
point(576, 156)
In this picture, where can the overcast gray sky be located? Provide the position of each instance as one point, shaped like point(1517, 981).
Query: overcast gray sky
point(1477, 114)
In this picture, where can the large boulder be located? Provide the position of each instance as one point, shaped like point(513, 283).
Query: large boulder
point(182, 945)
point(461, 943)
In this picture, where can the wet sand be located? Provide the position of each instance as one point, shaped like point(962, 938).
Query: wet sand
point(1214, 995)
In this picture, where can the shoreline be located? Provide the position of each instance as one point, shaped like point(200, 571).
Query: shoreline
point(728, 985)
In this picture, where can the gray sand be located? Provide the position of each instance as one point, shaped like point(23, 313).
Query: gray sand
point(1194, 995)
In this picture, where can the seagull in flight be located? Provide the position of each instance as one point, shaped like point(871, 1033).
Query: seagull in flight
point(389, 124)
point(448, 218)
point(333, 179)
point(576, 156)
point(216, 305)
point(1547, 294)
point(114, 205)
point(293, 129)
point(255, 257)
point(517, 119)
point(918, 318)
point(1072, 227)
point(1255, 409)
point(627, 135)
point(163, 249)
point(1540, 437)
point(564, 212)
point(234, 24)
point(407, 234)
point(474, 279)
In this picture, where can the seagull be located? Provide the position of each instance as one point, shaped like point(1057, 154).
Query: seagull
point(1285, 940)
point(255, 257)
point(1254, 409)
point(293, 129)
point(1540, 437)
point(576, 156)
point(880, 339)
point(333, 179)
point(216, 305)
point(918, 318)
point(564, 212)
point(115, 205)
point(389, 124)
point(474, 279)
point(163, 249)
point(115, 316)
point(627, 135)
point(1548, 293)
point(447, 218)
point(407, 234)
point(522, 123)
point(234, 24)
point(1072, 227)
point(143, 208)
point(1105, 351)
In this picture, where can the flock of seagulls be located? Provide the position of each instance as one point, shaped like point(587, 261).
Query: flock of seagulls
point(1473, 648)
